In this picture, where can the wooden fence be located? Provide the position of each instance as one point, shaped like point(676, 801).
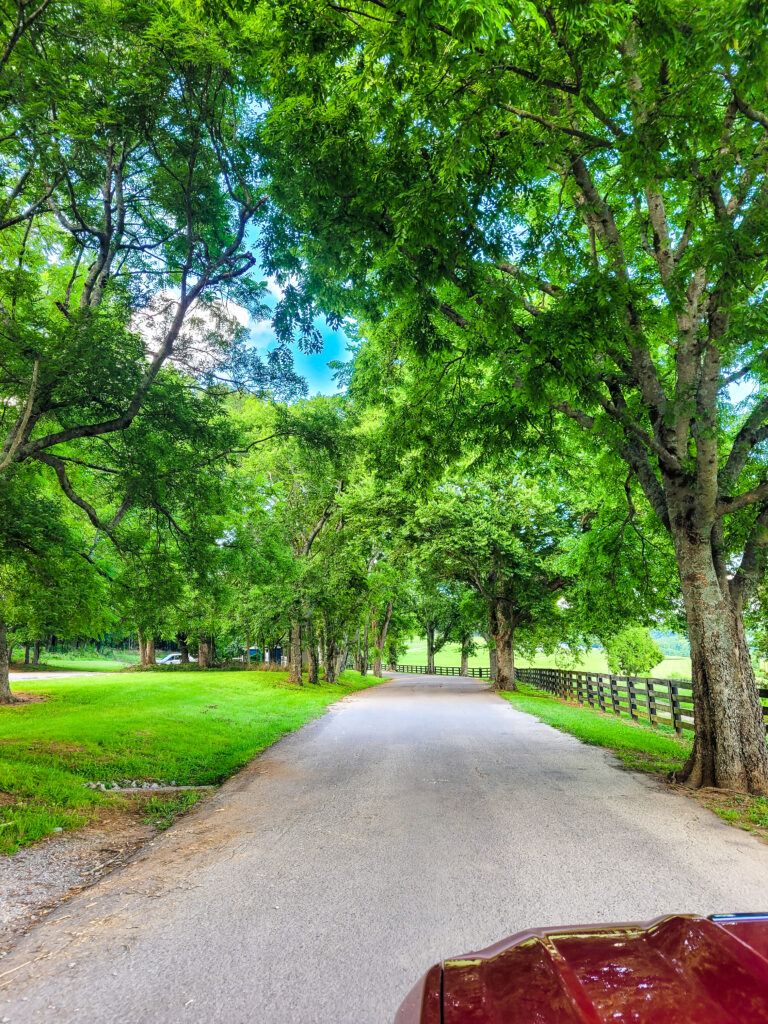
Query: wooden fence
point(667, 701)
point(441, 670)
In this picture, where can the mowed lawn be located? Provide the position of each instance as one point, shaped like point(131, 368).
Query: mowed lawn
point(187, 727)
point(74, 662)
point(593, 660)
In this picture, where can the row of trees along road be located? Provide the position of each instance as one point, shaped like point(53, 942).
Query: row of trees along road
point(563, 210)
point(543, 228)
point(124, 234)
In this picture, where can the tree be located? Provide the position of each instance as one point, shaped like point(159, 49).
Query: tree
point(565, 209)
point(469, 623)
point(291, 491)
point(502, 539)
point(632, 652)
point(45, 583)
point(123, 237)
point(433, 607)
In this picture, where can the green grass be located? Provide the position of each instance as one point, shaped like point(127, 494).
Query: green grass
point(74, 662)
point(192, 728)
point(637, 745)
point(749, 813)
point(162, 812)
point(593, 661)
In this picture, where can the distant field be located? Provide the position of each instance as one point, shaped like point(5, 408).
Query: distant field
point(593, 661)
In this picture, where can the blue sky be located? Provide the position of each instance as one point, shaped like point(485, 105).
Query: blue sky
point(314, 368)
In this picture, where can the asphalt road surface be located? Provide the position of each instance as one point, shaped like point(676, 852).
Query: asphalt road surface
point(421, 819)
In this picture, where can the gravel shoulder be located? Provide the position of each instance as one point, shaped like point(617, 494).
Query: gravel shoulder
point(420, 819)
point(38, 879)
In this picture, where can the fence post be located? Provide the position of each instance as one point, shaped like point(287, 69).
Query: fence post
point(675, 710)
point(631, 698)
point(651, 691)
point(600, 697)
point(614, 695)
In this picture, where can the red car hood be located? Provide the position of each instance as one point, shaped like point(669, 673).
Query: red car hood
point(676, 970)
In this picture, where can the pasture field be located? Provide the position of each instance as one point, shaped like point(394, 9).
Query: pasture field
point(593, 660)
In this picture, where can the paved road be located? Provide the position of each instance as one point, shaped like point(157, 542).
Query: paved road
point(420, 819)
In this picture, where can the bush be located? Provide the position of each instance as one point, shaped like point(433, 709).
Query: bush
point(632, 652)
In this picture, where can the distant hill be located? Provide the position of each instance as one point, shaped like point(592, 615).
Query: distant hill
point(672, 645)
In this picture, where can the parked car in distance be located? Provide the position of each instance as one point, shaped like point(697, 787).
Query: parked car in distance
point(674, 970)
point(170, 659)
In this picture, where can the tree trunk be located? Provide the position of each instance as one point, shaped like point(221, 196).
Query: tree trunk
point(247, 649)
point(729, 749)
point(358, 662)
point(505, 661)
point(204, 653)
point(503, 633)
point(313, 677)
point(36, 653)
point(431, 649)
point(181, 640)
point(26, 654)
point(493, 664)
point(381, 640)
point(464, 660)
point(150, 649)
point(364, 662)
point(294, 668)
point(6, 697)
point(331, 661)
point(142, 651)
point(341, 658)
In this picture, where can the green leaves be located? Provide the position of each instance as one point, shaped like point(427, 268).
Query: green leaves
point(632, 652)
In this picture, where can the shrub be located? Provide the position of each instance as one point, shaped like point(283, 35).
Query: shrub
point(632, 652)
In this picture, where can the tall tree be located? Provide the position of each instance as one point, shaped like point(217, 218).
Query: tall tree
point(502, 539)
point(433, 606)
point(124, 213)
point(563, 205)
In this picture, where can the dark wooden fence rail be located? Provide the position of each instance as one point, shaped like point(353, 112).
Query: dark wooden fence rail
point(441, 670)
point(657, 700)
point(667, 701)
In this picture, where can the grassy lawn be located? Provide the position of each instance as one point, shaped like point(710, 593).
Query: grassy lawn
point(593, 661)
point(658, 751)
point(192, 728)
point(73, 662)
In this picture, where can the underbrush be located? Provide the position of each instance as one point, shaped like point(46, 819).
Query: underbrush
point(163, 811)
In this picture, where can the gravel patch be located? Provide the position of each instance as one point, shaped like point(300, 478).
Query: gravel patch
point(131, 785)
point(37, 879)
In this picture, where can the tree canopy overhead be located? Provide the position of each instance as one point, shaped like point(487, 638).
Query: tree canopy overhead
point(545, 226)
point(562, 207)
